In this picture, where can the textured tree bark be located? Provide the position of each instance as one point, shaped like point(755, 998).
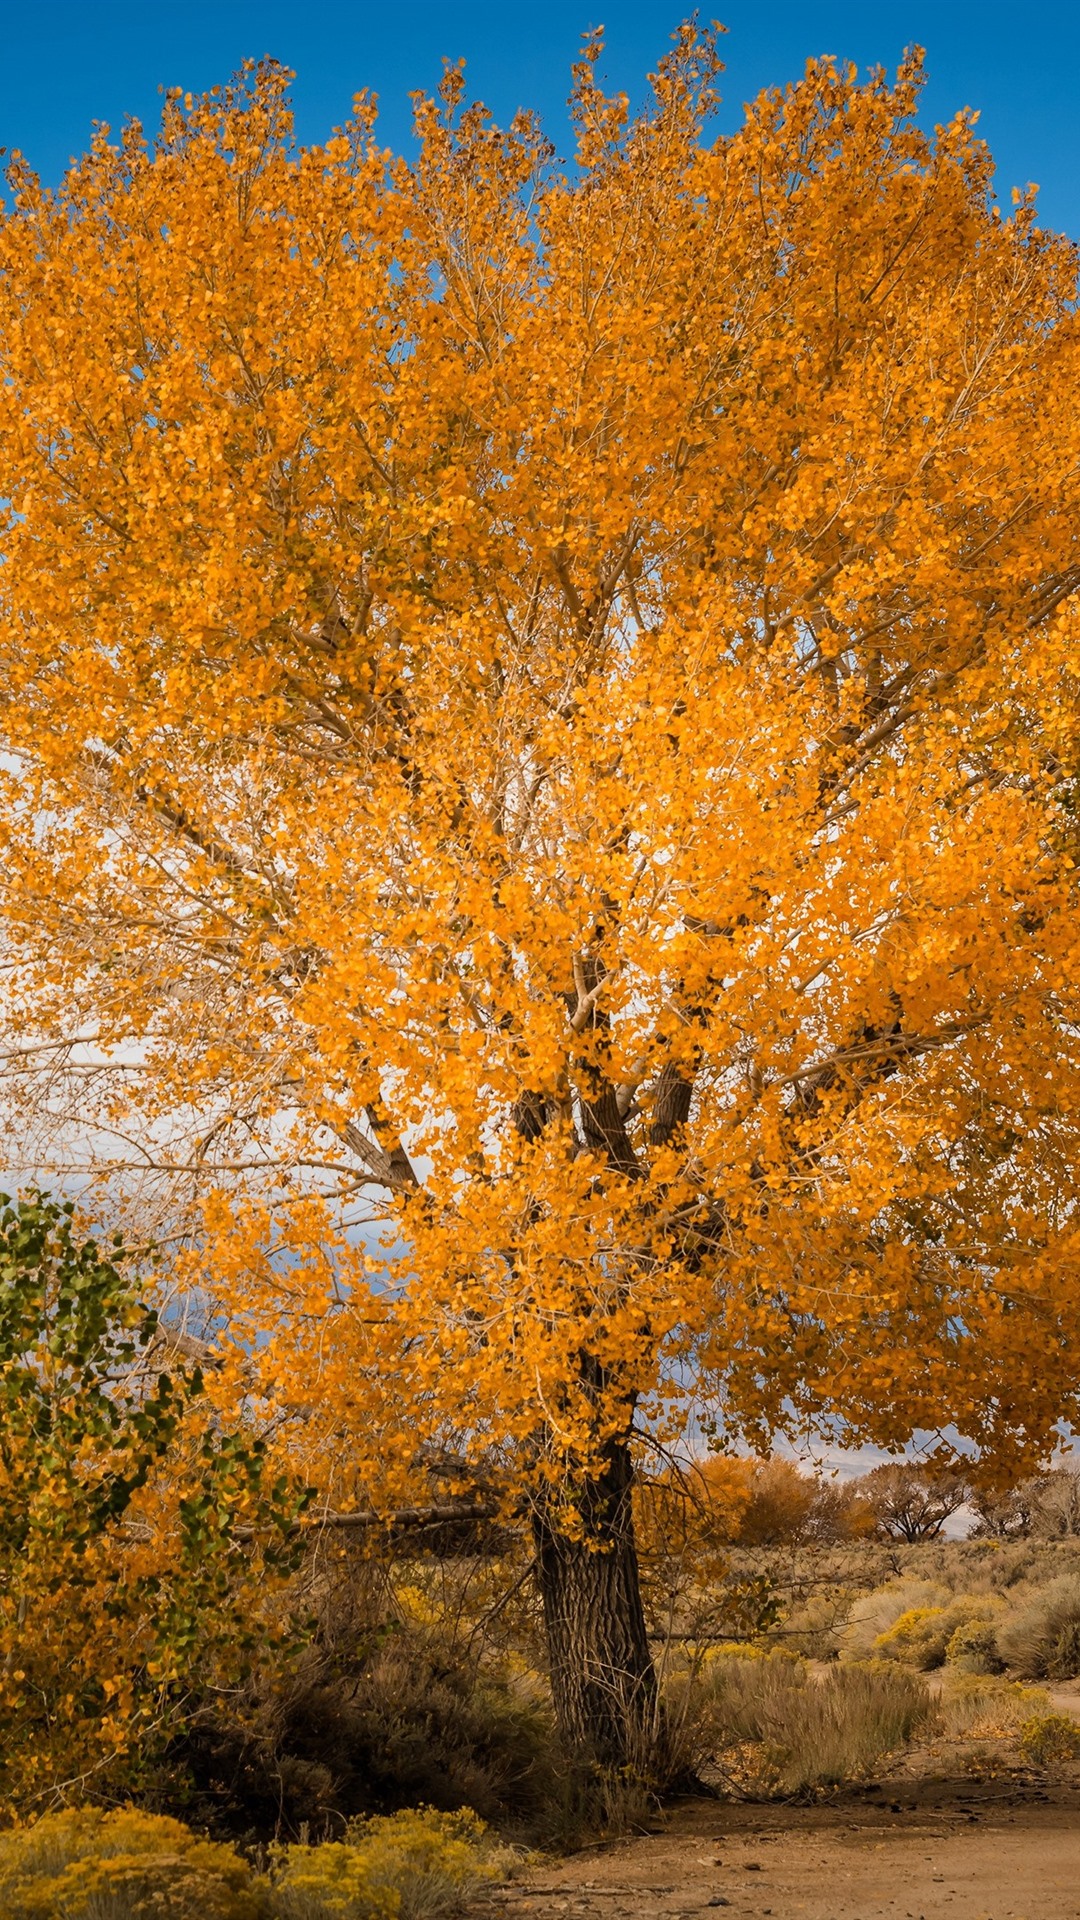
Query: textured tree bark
point(602, 1676)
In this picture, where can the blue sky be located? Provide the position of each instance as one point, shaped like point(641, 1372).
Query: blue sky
point(66, 64)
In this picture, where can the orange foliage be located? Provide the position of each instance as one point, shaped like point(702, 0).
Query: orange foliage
point(688, 1516)
point(725, 1484)
point(541, 713)
point(779, 1504)
point(785, 1507)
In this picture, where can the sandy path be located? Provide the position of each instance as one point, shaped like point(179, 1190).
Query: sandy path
point(983, 1856)
point(1064, 1696)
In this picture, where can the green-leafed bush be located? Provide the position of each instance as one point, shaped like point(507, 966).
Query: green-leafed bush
point(1050, 1741)
point(1042, 1638)
point(418, 1865)
point(124, 1865)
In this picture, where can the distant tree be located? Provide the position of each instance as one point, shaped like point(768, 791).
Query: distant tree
point(1043, 1506)
point(725, 1500)
point(788, 1507)
point(910, 1501)
point(1006, 1513)
point(779, 1507)
point(840, 1512)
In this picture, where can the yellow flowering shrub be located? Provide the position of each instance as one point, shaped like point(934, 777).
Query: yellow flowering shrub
point(973, 1647)
point(922, 1636)
point(983, 1707)
point(88, 1864)
point(1049, 1741)
point(95, 1865)
point(331, 1882)
point(413, 1865)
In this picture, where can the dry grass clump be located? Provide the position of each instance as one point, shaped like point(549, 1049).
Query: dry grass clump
point(1041, 1639)
point(815, 1627)
point(766, 1724)
point(983, 1707)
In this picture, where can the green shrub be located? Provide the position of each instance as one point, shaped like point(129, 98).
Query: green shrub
point(769, 1726)
point(1042, 1638)
point(405, 1866)
point(124, 1865)
point(100, 1644)
point(1049, 1741)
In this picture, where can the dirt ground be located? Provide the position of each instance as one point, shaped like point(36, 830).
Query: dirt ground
point(916, 1847)
point(943, 1851)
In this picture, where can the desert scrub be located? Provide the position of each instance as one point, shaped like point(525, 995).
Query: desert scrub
point(90, 1865)
point(922, 1635)
point(1050, 1741)
point(417, 1865)
point(330, 1882)
point(768, 1726)
point(407, 1722)
point(1041, 1639)
point(981, 1707)
point(973, 1647)
point(124, 1865)
point(815, 1627)
point(875, 1614)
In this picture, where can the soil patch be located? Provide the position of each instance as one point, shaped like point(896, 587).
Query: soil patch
point(939, 1851)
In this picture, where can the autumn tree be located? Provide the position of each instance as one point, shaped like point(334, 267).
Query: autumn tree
point(911, 1500)
point(788, 1508)
point(540, 724)
point(780, 1502)
point(1041, 1506)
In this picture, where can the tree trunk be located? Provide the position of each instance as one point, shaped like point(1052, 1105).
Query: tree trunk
point(602, 1677)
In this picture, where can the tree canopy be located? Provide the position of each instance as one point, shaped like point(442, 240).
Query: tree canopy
point(540, 713)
